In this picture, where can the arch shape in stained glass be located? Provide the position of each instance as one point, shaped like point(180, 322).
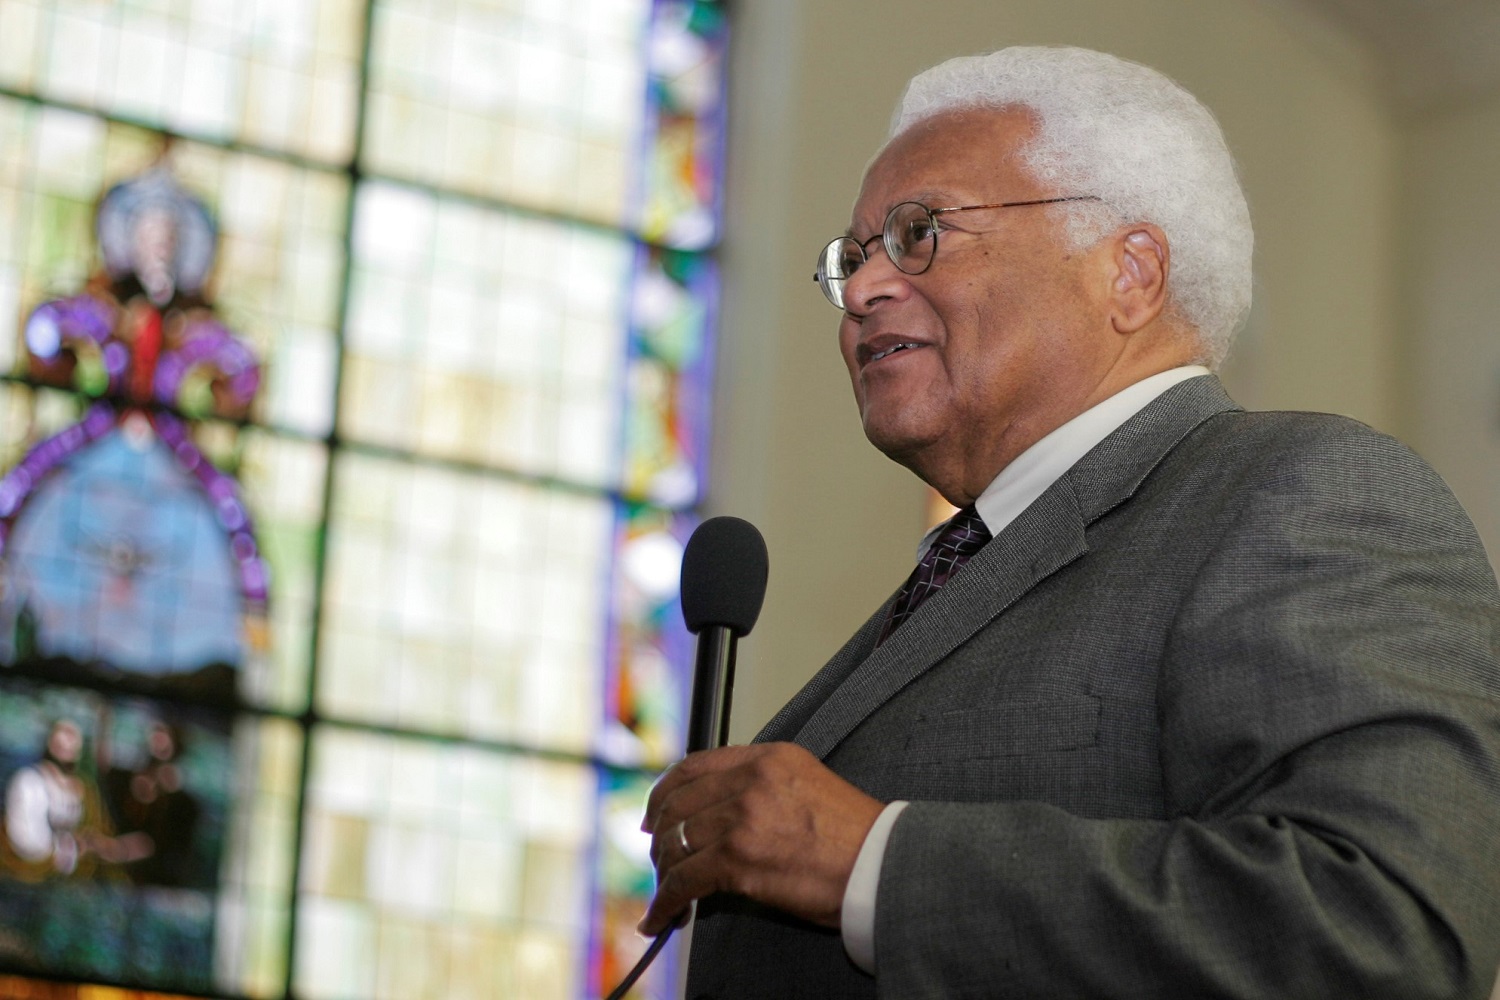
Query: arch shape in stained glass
point(120, 558)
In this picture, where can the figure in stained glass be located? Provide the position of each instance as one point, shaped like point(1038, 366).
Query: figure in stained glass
point(156, 814)
point(51, 810)
point(124, 553)
point(112, 833)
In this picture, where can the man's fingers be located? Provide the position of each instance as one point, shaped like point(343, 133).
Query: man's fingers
point(668, 780)
point(698, 772)
point(698, 829)
point(687, 879)
point(769, 821)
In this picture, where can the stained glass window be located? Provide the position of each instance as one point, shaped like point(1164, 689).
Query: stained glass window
point(354, 392)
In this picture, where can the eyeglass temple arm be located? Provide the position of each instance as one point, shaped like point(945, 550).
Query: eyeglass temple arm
point(1017, 204)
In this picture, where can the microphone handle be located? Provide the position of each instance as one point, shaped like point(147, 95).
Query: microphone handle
point(713, 687)
point(708, 727)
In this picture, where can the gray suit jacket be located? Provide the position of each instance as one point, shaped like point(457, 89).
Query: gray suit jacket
point(1217, 716)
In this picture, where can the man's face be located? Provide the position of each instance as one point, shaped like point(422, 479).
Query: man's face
point(1008, 335)
point(64, 742)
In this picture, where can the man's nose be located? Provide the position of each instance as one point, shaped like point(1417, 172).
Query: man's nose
point(875, 281)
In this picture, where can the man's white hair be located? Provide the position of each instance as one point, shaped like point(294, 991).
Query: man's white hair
point(1135, 139)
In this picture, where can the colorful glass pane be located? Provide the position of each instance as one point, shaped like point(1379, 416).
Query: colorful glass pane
point(485, 336)
point(683, 164)
point(470, 549)
point(528, 345)
point(284, 486)
point(624, 883)
point(121, 851)
point(668, 377)
point(280, 75)
point(650, 650)
point(443, 871)
point(539, 105)
point(464, 604)
point(119, 557)
point(280, 252)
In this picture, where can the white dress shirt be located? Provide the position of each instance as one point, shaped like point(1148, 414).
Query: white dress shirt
point(1011, 492)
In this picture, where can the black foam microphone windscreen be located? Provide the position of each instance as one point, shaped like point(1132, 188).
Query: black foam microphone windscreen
point(724, 572)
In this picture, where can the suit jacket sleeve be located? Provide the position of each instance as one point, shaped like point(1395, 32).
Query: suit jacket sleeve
point(1327, 702)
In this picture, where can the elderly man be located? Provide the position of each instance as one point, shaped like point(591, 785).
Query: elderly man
point(1185, 701)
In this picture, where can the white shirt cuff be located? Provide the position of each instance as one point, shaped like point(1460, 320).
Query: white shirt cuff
point(857, 915)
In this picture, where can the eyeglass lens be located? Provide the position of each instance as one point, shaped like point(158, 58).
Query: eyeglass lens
point(910, 241)
point(840, 258)
point(910, 237)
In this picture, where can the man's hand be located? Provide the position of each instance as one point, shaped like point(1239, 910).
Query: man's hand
point(767, 821)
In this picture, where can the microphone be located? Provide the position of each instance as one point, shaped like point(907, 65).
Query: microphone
point(724, 570)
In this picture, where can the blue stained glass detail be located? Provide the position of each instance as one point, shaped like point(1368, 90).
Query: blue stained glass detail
point(119, 557)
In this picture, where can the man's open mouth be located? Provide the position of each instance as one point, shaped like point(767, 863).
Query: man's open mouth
point(892, 350)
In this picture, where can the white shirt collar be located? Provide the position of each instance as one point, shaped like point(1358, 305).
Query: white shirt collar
point(1038, 467)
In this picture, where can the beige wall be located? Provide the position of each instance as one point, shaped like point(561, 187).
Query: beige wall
point(814, 83)
point(1450, 285)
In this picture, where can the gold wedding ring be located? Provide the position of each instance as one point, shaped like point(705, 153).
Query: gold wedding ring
point(682, 838)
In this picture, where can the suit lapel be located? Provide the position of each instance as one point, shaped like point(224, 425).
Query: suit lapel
point(786, 723)
point(1011, 564)
point(1047, 536)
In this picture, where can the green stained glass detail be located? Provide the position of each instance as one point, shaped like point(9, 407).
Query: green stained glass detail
point(683, 164)
point(256, 894)
point(283, 481)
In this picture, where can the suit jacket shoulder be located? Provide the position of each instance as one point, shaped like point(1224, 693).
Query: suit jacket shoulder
point(1190, 707)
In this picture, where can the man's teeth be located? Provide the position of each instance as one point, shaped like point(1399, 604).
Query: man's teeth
point(891, 350)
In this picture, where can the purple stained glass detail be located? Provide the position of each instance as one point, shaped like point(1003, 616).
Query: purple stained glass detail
point(48, 455)
point(82, 325)
point(126, 560)
point(21, 481)
point(81, 317)
point(206, 342)
point(88, 323)
point(232, 514)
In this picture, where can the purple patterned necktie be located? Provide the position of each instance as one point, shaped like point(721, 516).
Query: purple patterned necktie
point(964, 535)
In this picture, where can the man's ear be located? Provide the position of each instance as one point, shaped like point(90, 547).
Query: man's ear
point(1142, 261)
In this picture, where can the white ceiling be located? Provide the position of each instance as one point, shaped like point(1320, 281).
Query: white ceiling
point(1434, 53)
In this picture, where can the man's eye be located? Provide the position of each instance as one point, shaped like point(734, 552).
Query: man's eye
point(917, 230)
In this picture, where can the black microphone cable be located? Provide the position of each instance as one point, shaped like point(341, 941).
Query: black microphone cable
point(643, 964)
point(724, 569)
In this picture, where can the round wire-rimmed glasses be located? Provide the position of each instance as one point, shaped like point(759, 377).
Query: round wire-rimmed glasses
point(910, 238)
